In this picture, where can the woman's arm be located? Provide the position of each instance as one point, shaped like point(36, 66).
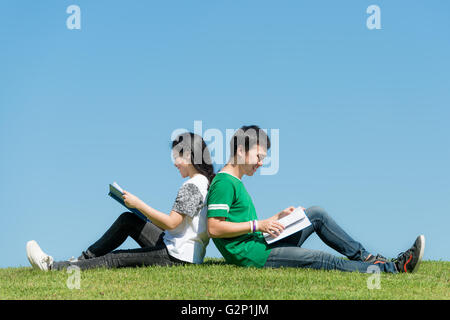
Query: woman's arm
point(164, 221)
point(160, 219)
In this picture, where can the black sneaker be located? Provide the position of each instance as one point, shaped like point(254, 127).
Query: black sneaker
point(409, 261)
point(376, 259)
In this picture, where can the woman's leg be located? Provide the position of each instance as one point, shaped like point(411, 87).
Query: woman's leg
point(155, 255)
point(285, 255)
point(330, 233)
point(146, 234)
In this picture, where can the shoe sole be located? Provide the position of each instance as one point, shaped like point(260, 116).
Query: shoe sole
point(29, 243)
point(422, 249)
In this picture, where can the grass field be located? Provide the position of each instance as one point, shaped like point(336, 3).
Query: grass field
point(216, 280)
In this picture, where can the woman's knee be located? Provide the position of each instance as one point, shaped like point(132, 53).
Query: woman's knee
point(127, 217)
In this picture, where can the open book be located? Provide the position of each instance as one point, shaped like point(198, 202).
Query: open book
point(116, 192)
point(294, 222)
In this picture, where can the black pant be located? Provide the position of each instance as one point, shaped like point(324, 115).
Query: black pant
point(153, 251)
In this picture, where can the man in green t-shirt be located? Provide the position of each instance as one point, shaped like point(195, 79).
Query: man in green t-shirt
point(237, 232)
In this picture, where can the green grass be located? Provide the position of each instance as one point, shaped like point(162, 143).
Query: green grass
point(216, 280)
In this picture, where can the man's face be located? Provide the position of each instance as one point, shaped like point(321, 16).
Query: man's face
point(254, 159)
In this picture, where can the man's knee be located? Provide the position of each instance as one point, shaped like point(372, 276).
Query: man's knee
point(315, 212)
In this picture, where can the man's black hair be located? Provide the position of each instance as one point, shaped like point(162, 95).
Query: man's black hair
point(248, 136)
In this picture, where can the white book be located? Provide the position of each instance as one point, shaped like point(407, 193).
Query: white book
point(294, 222)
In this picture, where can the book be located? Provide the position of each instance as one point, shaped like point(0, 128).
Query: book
point(294, 222)
point(116, 192)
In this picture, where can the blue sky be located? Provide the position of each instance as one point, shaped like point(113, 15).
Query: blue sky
point(362, 114)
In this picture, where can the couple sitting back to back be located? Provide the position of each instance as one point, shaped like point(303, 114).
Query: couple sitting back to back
point(219, 206)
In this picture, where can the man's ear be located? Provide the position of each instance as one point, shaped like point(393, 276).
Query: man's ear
point(240, 154)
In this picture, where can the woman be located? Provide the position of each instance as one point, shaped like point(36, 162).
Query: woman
point(169, 239)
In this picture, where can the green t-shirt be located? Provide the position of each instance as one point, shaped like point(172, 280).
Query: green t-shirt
point(227, 197)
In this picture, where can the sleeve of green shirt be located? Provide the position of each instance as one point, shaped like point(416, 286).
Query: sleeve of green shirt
point(220, 198)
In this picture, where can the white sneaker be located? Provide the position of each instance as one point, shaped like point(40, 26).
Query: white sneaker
point(37, 257)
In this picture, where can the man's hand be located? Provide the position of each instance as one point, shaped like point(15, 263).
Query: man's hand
point(285, 212)
point(131, 201)
point(272, 227)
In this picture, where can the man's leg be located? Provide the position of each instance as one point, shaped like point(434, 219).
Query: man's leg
point(330, 233)
point(285, 255)
point(146, 234)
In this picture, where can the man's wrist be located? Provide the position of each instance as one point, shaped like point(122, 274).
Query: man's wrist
point(253, 226)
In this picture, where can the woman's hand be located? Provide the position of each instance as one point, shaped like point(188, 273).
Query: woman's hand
point(131, 201)
point(272, 227)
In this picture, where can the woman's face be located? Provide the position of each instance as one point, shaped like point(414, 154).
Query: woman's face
point(182, 163)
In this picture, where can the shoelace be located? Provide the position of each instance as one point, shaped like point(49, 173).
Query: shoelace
point(402, 256)
point(47, 260)
point(380, 257)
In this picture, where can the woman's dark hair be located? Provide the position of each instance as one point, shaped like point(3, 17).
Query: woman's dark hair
point(199, 153)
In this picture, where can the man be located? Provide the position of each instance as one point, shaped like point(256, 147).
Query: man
point(237, 232)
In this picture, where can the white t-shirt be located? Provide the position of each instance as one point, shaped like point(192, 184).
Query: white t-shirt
point(188, 241)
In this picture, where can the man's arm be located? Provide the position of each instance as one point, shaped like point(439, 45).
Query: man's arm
point(219, 228)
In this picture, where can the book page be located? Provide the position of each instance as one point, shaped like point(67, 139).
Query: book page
point(292, 223)
point(115, 185)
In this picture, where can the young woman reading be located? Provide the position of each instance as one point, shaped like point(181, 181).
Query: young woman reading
point(176, 238)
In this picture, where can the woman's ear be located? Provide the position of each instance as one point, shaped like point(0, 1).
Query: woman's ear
point(186, 157)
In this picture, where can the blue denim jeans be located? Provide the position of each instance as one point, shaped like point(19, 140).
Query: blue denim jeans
point(288, 252)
